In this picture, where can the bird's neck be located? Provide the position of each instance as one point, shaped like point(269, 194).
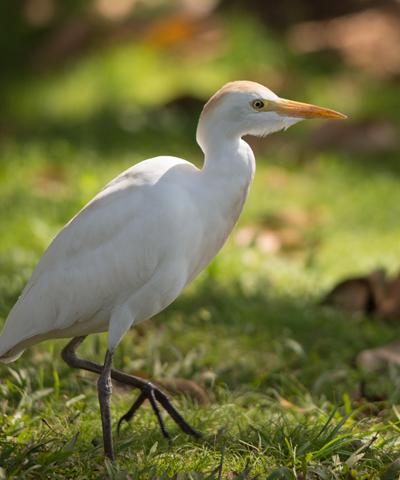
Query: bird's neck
point(225, 153)
point(223, 186)
point(229, 157)
point(228, 172)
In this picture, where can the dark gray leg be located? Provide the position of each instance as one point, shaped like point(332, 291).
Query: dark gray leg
point(104, 390)
point(148, 390)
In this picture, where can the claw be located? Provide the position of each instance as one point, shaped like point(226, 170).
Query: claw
point(148, 390)
point(154, 394)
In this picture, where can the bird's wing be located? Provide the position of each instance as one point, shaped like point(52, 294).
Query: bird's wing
point(107, 251)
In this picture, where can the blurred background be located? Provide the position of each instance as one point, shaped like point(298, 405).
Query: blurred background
point(87, 89)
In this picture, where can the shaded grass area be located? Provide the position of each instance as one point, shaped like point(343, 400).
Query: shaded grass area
point(279, 368)
point(263, 439)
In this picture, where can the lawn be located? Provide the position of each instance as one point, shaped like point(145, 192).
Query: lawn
point(277, 367)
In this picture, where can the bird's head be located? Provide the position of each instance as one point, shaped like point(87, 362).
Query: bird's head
point(248, 108)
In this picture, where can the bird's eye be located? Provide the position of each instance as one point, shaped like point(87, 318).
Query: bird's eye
point(258, 104)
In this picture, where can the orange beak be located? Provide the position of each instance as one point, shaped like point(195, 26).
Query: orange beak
point(288, 108)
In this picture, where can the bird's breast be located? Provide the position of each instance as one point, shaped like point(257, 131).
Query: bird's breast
point(213, 222)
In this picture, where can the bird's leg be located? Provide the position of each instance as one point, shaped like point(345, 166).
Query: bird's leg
point(148, 390)
point(104, 390)
point(104, 387)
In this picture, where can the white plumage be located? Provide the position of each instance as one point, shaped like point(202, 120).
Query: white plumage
point(130, 251)
point(135, 246)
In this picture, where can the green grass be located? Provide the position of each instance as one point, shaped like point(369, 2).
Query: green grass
point(279, 369)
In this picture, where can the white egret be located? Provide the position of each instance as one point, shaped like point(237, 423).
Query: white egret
point(131, 250)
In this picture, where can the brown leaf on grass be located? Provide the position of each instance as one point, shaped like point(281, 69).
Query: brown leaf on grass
point(272, 241)
point(389, 307)
point(353, 295)
point(285, 230)
point(268, 241)
point(265, 239)
point(290, 406)
point(374, 294)
point(379, 296)
point(182, 386)
point(299, 218)
point(292, 218)
point(378, 359)
point(292, 238)
point(378, 284)
point(173, 386)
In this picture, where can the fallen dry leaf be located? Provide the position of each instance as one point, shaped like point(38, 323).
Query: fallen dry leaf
point(352, 295)
point(182, 386)
point(298, 217)
point(285, 230)
point(290, 406)
point(389, 307)
point(378, 359)
point(173, 386)
point(373, 294)
point(269, 241)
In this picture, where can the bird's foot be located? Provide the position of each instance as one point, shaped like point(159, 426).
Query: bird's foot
point(154, 395)
point(148, 390)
